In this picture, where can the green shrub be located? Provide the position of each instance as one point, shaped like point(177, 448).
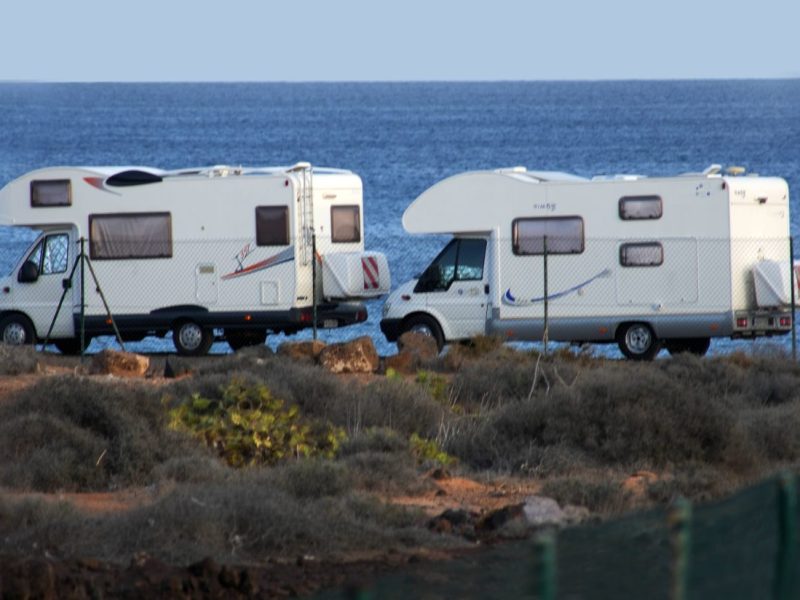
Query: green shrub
point(249, 426)
point(429, 451)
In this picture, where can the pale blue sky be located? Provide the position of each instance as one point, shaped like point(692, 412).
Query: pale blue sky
point(249, 40)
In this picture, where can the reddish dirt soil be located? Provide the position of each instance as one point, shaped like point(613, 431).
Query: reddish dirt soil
point(146, 577)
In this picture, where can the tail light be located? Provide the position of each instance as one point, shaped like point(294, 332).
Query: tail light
point(786, 321)
point(741, 322)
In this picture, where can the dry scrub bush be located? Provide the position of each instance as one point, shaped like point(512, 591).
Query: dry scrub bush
point(668, 413)
point(254, 515)
point(604, 496)
point(16, 360)
point(71, 433)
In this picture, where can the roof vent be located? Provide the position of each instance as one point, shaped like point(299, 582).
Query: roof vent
point(132, 177)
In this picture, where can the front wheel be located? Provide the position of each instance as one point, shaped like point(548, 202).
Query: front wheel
point(638, 341)
point(17, 330)
point(192, 339)
point(426, 326)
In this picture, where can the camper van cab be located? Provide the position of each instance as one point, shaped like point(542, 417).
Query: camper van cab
point(240, 251)
point(642, 262)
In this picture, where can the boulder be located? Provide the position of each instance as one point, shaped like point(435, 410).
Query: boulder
point(540, 510)
point(419, 345)
point(304, 351)
point(356, 356)
point(121, 364)
point(176, 367)
point(496, 519)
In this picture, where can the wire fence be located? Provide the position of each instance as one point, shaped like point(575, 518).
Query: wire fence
point(745, 546)
point(532, 288)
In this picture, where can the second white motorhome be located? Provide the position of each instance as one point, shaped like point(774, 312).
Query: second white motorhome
point(643, 262)
point(243, 251)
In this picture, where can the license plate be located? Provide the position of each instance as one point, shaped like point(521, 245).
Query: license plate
point(330, 323)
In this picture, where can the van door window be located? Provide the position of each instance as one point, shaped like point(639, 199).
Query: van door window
point(55, 254)
point(461, 260)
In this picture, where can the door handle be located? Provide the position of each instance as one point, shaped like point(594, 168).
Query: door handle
point(486, 289)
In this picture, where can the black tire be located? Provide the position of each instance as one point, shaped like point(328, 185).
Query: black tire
point(425, 325)
point(72, 346)
point(191, 338)
point(638, 341)
point(242, 338)
point(17, 330)
point(696, 346)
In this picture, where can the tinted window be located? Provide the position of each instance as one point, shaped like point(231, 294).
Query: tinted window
point(650, 254)
point(55, 192)
point(130, 235)
point(640, 207)
point(272, 225)
point(461, 260)
point(470, 259)
point(564, 235)
point(345, 224)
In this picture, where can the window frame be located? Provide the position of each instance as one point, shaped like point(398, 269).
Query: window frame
point(515, 235)
point(34, 192)
point(357, 208)
point(641, 198)
point(93, 254)
point(287, 237)
point(627, 245)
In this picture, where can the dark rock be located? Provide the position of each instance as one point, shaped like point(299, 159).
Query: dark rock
point(175, 367)
point(497, 518)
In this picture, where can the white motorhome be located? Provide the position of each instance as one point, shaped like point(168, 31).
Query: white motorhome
point(192, 251)
point(640, 261)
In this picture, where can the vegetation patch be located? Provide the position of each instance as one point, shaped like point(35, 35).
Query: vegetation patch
point(249, 426)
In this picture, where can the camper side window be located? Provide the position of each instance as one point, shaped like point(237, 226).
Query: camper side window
point(461, 260)
point(272, 225)
point(53, 192)
point(649, 254)
point(640, 207)
point(345, 224)
point(564, 235)
point(130, 235)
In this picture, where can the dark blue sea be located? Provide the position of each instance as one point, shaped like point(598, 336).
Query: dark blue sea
point(401, 138)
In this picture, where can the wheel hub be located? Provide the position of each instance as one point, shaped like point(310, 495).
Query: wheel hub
point(191, 336)
point(14, 334)
point(638, 339)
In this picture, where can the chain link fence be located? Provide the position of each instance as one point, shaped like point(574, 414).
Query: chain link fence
point(530, 288)
point(745, 546)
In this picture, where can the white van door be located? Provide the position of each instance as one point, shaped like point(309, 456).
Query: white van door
point(457, 288)
point(52, 255)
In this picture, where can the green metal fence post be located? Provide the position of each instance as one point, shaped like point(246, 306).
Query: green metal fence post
point(787, 540)
point(680, 522)
point(546, 565)
point(83, 297)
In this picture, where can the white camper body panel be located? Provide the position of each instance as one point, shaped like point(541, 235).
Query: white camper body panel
point(215, 262)
point(710, 234)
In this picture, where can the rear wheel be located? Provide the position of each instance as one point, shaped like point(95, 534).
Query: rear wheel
point(17, 330)
point(637, 341)
point(192, 339)
point(696, 346)
point(72, 346)
point(241, 338)
point(426, 326)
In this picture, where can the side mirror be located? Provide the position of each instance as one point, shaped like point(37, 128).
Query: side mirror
point(28, 273)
